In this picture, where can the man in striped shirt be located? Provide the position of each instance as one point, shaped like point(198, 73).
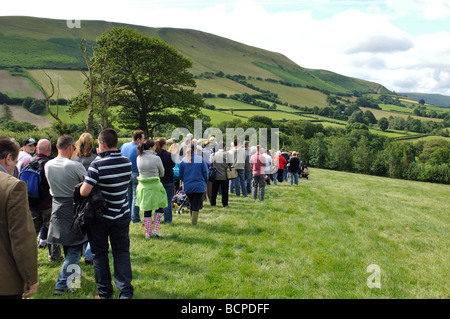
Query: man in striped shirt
point(111, 172)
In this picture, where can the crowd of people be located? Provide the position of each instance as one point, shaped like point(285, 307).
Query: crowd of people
point(121, 185)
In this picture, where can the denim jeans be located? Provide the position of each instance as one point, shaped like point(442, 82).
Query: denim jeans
point(285, 174)
point(248, 180)
point(258, 182)
point(169, 187)
point(117, 231)
point(294, 176)
point(87, 251)
point(275, 177)
point(240, 181)
point(134, 210)
point(72, 257)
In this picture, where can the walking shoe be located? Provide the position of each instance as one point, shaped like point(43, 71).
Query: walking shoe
point(97, 296)
point(42, 243)
point(59, 292)
point(52, 259)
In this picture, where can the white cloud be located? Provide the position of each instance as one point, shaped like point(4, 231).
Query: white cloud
point(428, 9)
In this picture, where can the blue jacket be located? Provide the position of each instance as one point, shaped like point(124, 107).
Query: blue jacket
point(194, 176)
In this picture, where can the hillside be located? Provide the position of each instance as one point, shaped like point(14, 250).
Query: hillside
point(221, 67)
point(435, 99)
point(37, 43)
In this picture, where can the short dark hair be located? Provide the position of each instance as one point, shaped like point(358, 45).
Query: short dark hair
point(9, 145)
point(109, 136)
point(137, 134)
point(64, 141)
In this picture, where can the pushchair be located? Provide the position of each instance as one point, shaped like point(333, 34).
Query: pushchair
point(180, 200)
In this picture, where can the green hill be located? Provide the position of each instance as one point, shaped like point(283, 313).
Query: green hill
point(222, 67)
point(435, 99)
point(37, 43)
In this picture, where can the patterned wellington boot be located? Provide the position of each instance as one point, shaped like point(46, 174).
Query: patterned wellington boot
point(148, 227)
point(155, 231)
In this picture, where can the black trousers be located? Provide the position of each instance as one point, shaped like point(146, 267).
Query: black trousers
point(215, 189)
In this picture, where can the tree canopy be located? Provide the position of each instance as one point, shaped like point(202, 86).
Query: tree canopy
point(147, 78)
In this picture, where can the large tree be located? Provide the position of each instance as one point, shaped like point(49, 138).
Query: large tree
point(151, 80)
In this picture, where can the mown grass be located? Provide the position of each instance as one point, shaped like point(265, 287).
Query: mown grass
point(314, 240)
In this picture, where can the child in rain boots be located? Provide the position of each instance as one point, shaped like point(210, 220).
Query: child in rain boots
point(149, 232)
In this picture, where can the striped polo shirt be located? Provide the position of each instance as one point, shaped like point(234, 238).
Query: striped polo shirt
point(111, 172)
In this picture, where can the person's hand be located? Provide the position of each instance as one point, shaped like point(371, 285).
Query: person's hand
point(31, 290)
point(169, 141)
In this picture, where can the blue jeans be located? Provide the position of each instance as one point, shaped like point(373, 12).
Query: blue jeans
point(87, 251)
point(275, 176)
point(295, 176)
point(169, 187)
point(101, 232)
point(72, 257)
point(248, 180)
point(285, 174)
point(134, 210)
point(240, 181)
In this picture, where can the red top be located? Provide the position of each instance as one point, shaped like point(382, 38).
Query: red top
point(258, 163)
point(281, 162)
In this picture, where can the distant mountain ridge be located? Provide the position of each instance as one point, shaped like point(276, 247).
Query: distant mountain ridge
point(435, 99)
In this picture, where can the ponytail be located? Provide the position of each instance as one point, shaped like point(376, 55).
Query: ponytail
point(144, 146)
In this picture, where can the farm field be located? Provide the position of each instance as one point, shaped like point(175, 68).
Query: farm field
point(18, 86)
point(293, 95)
point(219, 85)
point(381, 113)
point(313, 241)
point(70, 82)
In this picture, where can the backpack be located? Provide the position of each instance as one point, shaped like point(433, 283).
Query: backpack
point(33, 176)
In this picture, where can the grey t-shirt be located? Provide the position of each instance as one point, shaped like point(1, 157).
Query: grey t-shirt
point(62, 175)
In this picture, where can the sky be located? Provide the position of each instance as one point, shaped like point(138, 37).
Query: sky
point(401, 44)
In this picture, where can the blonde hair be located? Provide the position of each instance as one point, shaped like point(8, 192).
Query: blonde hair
point(84, 145)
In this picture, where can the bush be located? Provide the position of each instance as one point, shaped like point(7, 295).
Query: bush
point(37, 106)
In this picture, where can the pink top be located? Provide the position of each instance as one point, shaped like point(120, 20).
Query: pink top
point(258, 163)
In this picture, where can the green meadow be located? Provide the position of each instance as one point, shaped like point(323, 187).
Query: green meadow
point(315, 240)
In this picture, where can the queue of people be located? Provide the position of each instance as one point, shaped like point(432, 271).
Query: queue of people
point(141, 177)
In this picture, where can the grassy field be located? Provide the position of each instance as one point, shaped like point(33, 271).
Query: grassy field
point(70, 82)
point(18, 86)
point(293, 95)
point(312, 241)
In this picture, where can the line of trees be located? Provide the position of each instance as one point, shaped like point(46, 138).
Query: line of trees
point(355, 149)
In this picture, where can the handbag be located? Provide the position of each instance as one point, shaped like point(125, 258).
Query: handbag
point(231, 172)
point(212, 172)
